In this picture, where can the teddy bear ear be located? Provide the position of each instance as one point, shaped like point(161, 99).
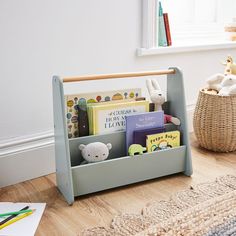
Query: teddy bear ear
point(109, 146)
point(81, 147)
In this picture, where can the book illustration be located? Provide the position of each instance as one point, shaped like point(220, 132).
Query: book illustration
point(162, 141)
point(107, 118)
point(142, 121)
point(139, 136)
point(76, 102)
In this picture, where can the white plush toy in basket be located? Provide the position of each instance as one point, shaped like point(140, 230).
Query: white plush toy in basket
point(214, 119)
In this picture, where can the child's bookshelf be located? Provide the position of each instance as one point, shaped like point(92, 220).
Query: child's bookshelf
point(74, 179)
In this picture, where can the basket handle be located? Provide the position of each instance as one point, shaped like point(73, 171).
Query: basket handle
point(118, 75)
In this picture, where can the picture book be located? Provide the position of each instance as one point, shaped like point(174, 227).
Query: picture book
point(77, 123)
point(162, 141)
point(142, 121)
point(139, 136)
point(90, 107)
point(107, 118)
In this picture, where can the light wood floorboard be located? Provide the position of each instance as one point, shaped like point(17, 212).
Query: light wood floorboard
point(99, 209)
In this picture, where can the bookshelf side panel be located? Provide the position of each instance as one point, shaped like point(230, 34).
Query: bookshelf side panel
point(62, 154)
point(176, 97)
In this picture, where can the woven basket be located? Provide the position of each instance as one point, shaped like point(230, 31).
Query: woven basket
point(214, 122)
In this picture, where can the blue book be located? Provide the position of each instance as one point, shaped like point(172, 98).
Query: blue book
point(162, 40)
point(142, 121)
point(140, 136)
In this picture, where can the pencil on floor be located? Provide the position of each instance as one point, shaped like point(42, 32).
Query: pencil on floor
point(16, 219)
point(13, 215)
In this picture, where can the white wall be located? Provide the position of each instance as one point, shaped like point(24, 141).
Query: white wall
point(45, 37)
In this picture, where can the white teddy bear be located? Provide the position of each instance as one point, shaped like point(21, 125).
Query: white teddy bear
point(95, 152)
point(158, 99)
point(225, 85)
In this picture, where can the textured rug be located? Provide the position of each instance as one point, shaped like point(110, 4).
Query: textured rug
point(202, 210)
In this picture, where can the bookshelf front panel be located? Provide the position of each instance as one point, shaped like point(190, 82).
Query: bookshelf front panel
point(117, 139)
point(126, 170)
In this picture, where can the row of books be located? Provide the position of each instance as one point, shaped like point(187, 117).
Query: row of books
point(148, 130)
point(163, 28)
point(76, 106)
point(112, 111)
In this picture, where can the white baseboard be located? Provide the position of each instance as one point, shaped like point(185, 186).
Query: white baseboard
point(26, 158)
point(30, 157)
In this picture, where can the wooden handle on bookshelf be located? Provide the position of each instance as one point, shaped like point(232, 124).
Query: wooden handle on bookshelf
point(118, 75)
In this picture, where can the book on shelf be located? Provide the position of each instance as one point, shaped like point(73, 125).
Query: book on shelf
point(163, 141)
point(167, 29)
point(110, 117)
point(139, 136)
point(76, 107)
point(143, 121)
point(162, 41)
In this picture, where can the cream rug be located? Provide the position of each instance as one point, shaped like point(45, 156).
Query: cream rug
point(205, 209)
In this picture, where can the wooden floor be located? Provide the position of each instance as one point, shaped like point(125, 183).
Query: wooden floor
point(98, 209)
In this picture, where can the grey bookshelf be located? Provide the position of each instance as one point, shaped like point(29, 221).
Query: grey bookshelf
point(75, 180)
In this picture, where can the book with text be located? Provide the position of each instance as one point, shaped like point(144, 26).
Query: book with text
point(107, 118)
point(162, 141)
point(142, 121)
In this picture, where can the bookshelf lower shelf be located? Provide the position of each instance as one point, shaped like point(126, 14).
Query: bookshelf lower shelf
point(121, 171)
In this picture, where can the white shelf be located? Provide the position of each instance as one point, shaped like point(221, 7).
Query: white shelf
point(186, 48)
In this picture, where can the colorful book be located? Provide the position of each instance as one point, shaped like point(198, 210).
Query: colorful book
point(76, 123)
point(139, 136)
point(142, 121)
point(162, 42)
point(167, 28)
point(162, 141)
point(107, 118)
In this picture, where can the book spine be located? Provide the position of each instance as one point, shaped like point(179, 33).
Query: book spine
point(167, 28)
point(162, 42)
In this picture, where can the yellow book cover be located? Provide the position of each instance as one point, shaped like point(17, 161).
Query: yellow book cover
point(91, 106)
point(162, 141)
point(109, 118)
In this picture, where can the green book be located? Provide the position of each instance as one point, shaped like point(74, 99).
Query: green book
point(162, 41)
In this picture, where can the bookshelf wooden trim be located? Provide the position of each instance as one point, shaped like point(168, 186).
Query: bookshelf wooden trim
point(118, 75)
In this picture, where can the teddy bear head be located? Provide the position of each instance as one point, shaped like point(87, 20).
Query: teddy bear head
point(95, 152)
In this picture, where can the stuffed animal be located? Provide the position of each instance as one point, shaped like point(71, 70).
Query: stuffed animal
point(230, 67)
point(224, 84)
point(95, 152)
point(135, 149)
point(232, 90)
point(158, 99)
point(214, 82)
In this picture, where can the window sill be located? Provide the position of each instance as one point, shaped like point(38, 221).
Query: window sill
point(186, 48)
